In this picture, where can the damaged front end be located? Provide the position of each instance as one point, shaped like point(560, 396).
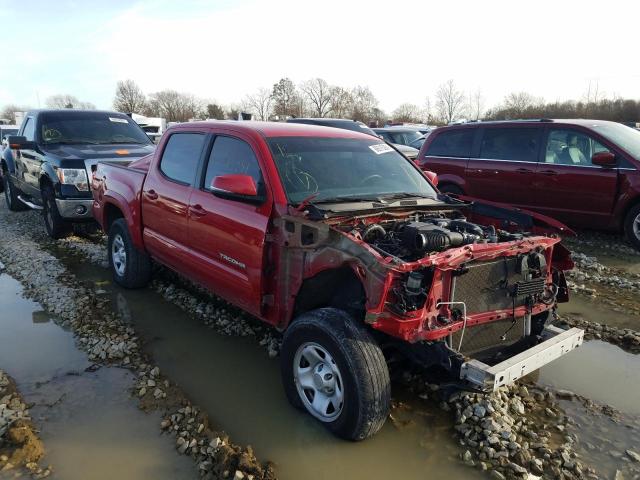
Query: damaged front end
point(469, 287)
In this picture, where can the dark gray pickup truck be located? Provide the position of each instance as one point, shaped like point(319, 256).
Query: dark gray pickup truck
point(48, 165)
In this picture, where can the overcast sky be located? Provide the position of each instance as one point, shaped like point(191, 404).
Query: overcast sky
point(222, 50)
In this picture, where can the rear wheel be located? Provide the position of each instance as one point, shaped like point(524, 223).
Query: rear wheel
point(333, 368)
point(54, 223)
point(632, 226)
point(130, 267)
point(11, 194)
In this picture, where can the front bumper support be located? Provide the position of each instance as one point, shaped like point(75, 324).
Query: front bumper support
point(556, 342)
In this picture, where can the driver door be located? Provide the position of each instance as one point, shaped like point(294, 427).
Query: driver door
point(227, 237)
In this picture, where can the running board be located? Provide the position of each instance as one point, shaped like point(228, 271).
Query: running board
point(556, 343)
point(29, 204)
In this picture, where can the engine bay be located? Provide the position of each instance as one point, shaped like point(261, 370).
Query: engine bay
point(420, 234)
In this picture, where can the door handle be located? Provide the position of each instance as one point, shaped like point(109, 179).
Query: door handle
point(151, 195)
point(523, 170)
point(197, 210)
point(548, 172)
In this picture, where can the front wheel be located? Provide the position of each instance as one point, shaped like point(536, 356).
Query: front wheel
point(54, 223)
point(632, 226)
point(130, 267)
point(11, 194)
point(333, 368)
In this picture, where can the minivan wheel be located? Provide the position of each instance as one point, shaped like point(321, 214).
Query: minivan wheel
point(632, 226)
point(130, 267)
point(56, 226)
point(11, 194)
point(333, 368)
point(450, 188)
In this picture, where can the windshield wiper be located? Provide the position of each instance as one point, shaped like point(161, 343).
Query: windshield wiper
point(400, 195)
point(347, 198)
point(70, 142)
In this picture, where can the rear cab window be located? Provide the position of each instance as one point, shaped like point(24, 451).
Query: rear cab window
point(181, 155)
point(452, 143)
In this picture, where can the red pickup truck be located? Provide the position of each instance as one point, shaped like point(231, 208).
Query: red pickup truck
point(338, 240)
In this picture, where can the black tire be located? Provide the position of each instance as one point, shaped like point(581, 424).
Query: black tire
point(365, 377)
point(137, 264)
point(56, 226)
point(11, 194)
point(633, 234)
point(451, 188)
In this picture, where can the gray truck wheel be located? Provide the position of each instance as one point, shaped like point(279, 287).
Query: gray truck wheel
point(11, 194)
point(333, 368)
point(131, 268)
point(56, 226)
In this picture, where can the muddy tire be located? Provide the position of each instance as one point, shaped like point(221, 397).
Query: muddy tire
point(131, 268)
point(55, 225)
point(632, 226)
point(11, 194)
point(333, 368)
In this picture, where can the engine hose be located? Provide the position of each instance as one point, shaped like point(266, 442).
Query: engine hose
point(373, 228)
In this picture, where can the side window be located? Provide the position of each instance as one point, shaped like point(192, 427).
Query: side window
point(232, 156)
point(570, 147)
point(29, 129)
point(510, 144)
point(179, 160)
point(454, 143)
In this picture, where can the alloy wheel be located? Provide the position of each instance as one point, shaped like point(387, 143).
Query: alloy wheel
point(119, 255)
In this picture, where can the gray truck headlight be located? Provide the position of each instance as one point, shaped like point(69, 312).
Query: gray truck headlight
point(74, 176)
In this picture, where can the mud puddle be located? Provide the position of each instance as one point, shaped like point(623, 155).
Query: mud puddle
point(88, 423)
point(594, 309)
point(234, 380)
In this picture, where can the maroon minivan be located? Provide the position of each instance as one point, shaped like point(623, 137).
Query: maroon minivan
point(582, 172)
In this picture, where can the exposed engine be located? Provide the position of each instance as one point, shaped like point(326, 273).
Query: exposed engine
point(422, 234)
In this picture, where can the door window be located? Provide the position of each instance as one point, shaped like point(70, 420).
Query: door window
point(181, 155)
point(29, 129)
point(570, 147)
point(519, 144)
point(232, 156)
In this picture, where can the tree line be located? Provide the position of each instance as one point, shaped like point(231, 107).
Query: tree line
point(317, 98)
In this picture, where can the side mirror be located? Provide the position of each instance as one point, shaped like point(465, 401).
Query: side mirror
point(432, 176)
point(19, 142)
point(236, 187)
point(604, 159)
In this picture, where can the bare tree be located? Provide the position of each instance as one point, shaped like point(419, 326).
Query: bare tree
point(260, 103)
point(285, 98)
point(341, 102)
point(476, 105)
point(174, 106)
point(407, 112)
point(129, 97)
point(9, 112)
point(364, 104)
point(68, 101)
point(215, 111)
point(318, 94)
point(449, 102)
point(519, 103)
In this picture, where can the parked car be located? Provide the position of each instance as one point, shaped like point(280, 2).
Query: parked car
point(407, 151)
point(418, 127)
point(346, 246)
point(403, 136)
point(5, 131)
point(48, 164)
point(582, 172)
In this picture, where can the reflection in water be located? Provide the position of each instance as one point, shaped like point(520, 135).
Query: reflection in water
point(40, 316)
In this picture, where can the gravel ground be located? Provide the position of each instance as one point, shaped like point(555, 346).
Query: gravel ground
point(109, 341)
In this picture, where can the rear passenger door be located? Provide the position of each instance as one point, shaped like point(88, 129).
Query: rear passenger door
point(165, 197)
point(504, 166)
point(227, 236)
point(447, 155)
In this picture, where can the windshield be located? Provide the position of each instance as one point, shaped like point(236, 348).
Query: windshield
point(343, 169)
point(90, 128)
point(625, 137)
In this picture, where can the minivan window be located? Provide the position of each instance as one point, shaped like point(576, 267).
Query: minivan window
point(180, 158)
point(452, 143)
point(571, 147)
point(29, 129)
point(625, 137)
point(520, 144)
point(232, 156)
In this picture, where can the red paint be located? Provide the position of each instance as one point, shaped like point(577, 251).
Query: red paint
point(238, 184)
point(251, 254)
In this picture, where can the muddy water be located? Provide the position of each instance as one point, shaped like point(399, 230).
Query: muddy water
point(595, 310)
point(88, 422)
point(233, 379)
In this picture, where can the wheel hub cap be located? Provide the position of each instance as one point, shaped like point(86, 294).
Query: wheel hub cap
point(318, 381)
